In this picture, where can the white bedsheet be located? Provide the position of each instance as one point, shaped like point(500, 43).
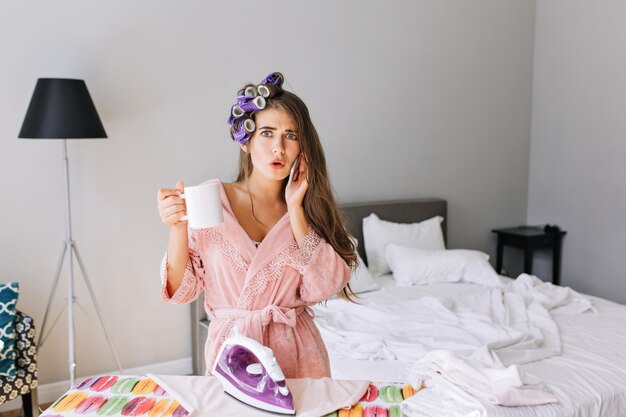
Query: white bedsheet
point(494, 326)
point(589, 376)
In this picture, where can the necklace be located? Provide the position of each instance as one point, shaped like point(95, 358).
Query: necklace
point(252, 207)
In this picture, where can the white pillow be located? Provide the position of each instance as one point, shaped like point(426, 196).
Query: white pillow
point(378, 233)
point(413, 266)
point(361, 279)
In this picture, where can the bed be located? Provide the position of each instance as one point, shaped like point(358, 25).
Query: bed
point(390, 331)
point(587, 374)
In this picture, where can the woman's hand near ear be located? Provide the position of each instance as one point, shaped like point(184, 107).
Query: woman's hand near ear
point(294, 196)
point(294, 193)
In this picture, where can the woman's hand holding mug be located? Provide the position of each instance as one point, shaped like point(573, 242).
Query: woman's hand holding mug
point(201, 205)
point(171, 205)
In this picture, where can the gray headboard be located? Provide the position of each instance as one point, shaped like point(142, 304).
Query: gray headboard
point(403, 211)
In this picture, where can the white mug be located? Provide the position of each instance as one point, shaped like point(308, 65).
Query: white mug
point(204, 206)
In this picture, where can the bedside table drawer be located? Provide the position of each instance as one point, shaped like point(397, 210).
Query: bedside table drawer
point(541, 241)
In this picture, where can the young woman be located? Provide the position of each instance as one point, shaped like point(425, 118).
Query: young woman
point(282, 247)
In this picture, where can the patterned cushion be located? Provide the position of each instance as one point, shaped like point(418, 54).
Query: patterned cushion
point(25, 379)
point(8, 299)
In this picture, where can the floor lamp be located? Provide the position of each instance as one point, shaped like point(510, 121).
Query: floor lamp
point(63, 109)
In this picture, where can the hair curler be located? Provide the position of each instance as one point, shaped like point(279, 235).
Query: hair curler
point(241, 98)
point(238, 133)
point(267, 90)
point(236, 111)
point(275, 78)
point(249, 125)
point(251, 91)
point(258, 103)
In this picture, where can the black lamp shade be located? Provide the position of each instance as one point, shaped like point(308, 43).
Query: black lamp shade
point(61, 109)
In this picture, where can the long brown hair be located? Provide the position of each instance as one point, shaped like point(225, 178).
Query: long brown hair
point(319, 204)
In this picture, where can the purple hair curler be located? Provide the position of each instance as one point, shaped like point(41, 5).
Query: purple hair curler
point(239, 134)
point(249, 125)
point(275, 78)
point(251, 91)
point(256, 104)
point(236, 111)
point(232, 119)
point(242, 129)
point(267, 90)
point(242, 98)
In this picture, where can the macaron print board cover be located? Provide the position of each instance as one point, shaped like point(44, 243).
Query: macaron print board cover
point(380, 400)
point(116, 395)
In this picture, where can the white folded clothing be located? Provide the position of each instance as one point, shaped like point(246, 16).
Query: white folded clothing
point(441, 398)
point(509, 386)
point(432, 403)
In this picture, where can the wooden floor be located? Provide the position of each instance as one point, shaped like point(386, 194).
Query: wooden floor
point(20, 412)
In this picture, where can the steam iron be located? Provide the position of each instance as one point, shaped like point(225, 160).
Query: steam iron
point(250, 373)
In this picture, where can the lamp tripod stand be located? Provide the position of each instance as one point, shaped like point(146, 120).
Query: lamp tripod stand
point(70, 248)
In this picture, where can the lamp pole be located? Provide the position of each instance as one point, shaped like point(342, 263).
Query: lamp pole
point(69, 243)
point(71, 249)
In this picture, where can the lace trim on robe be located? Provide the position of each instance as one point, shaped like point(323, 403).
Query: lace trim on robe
point(292, 255)
point(300, 257)
point(227, 249)
point(257, 284)
point(187, 283)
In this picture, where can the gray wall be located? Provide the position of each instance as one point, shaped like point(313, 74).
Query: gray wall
point(411, 98)
point(578, 150)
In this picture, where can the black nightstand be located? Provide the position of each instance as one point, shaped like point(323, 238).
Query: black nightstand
point(530, 238)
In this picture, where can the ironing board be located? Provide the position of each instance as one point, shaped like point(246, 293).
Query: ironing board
point(115, 395)
point(182, 396)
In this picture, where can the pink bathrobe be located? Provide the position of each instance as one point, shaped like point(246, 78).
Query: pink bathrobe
point(265, 291)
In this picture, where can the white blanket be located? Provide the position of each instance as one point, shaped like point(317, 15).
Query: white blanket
point(493, 327)
point(505, 326)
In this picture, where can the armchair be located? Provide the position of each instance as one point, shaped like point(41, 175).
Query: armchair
point(24, 382)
